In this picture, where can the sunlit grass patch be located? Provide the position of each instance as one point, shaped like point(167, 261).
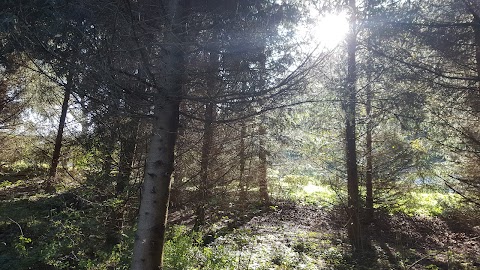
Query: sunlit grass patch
point(426, 203)
point(6, 184)
point(305, 189)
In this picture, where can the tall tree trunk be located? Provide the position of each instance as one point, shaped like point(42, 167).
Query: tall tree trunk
point(241, 155)
point(474, 9)
point(204, 187)
point(262, 167)
point(369, 211)
point(58, 140)
point(207, 144)
point(262, 132)
point(178, 173)
point(369, 170)
point(476, 23)
point(354, 225)
point(150, 235)
point(152, 220)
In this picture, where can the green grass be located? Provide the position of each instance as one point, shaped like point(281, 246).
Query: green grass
point(428, 203)
point(52, 232)
point(43, 231)
point(312, 191)
point(306, 190)
point(185, 250)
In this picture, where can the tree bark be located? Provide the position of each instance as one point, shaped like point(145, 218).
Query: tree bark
point(369, 170)
point(241, 155)
point(58, 140)
point(150, 234)
point(474, 10)
point(204, 186)
point(477, 47)
point(178, 173)
point(262, 168)
point(207, 144)
point(369, 211)
point(354, 225)
point(262, 132)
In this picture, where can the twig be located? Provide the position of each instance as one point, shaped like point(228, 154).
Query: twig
point(473, 238)
point(419, 260)
point(20, 227)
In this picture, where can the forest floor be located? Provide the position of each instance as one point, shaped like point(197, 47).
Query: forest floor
point(40, 231)
point(290, 235)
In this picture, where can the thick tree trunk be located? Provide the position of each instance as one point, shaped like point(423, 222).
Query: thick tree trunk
point(58, 140)
point(354, 225)
point(149, 238)
point(152, 220)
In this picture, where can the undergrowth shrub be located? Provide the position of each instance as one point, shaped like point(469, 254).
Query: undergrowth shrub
point(184, 249)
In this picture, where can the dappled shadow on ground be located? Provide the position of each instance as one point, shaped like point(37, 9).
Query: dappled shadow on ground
point(224, 208)
point(13, 187)
point(419, 242)
point(293, 236)
point(62, 227)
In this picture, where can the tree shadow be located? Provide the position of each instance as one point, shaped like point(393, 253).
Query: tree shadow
point(416, 242)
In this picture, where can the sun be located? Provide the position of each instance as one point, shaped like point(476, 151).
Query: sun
point(322, 32)
point(330, 30)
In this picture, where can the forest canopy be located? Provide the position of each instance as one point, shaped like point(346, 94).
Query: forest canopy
point(239, 134)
